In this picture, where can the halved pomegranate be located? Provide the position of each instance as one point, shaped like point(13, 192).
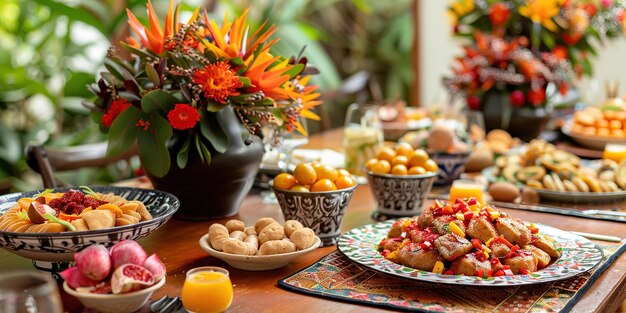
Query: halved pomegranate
point(130, 277)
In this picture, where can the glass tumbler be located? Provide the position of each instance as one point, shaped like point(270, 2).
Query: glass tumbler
point(29, 292)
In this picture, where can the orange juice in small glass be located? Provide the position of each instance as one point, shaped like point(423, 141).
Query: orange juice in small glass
point(466, 189)
point(207, 289)
point(615, 152)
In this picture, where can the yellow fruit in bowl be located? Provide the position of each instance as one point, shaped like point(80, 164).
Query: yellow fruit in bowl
point(417, 170)
point(404, 149)
point(324, 184)
point(343, 172)
point(305, 174)
point(299, 188)
point(418, 158)
point(400, 160)
point(326, 171)
point(370, 164)
point(431, 166)
point(284, 181)
point(344, 182)
point(386, 153)
point(381, 167)
point(399, 169)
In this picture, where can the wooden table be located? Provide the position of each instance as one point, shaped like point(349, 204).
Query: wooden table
point(177, 245)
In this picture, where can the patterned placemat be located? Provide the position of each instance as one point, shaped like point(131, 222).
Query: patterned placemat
point(336, 277)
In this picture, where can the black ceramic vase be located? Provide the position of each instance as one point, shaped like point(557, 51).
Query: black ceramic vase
point(215, 190)
point(524, 123)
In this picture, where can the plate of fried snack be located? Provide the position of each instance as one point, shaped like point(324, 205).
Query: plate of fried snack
point(53, 224)
point(266, 245)
point(558, 175)
point(470, 243)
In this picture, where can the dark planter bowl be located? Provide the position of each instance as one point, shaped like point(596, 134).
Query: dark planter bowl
point(400, 195)
point(451, 165)
point(320, 211)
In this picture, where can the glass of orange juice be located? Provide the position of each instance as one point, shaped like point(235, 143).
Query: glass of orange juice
point(466, 189)
point(207, 289)
point(615, 152)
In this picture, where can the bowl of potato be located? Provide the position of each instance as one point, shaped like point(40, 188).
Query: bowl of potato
point(400, 178)
point(266, 245)
point(317, 196)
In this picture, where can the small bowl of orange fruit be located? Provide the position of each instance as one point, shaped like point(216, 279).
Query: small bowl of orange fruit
point(317, 196)
point(400, 177)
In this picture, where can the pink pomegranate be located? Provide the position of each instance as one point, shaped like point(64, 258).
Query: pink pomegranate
point(155, 266)
point(127, 251)
point(130, 277)
point(75, 279)
point(101, 288)
point(94, 262)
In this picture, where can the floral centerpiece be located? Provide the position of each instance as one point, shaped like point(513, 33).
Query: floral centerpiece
point(181, 75)
point(567, 28)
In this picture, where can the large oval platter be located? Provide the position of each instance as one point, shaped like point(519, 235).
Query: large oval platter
point(60, 247)
point(578, 255)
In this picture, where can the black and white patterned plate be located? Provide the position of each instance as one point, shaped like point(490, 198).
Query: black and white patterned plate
point(60, 247)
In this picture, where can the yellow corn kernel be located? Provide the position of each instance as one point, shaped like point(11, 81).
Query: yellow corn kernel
point(404, 243)
point(459, 216)
point(485, 248)
point(486, 254)
point(406, 223)
point(392, 256)
point(456, 230)
point(488, 243)
point(438, 268)
point(494, 215)
point(474, 208)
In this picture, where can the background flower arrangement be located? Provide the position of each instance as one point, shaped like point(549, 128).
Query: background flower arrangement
point(567, 28)
point(180, 75)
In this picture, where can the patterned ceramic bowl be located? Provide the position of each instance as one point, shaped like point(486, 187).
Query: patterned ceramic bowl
point(320, 211)
point(48, 249)
point(400, 195)
point(110, 303)
point(451, 165)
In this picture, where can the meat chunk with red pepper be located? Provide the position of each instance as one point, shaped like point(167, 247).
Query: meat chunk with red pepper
point(418, 235)
point(451, 246)
point(396, 229)
point(523, 262)
point(543, 259)
point(513, 230)
point(441, 224)
point(415, 256)
point(425, 218)
point(481, 228)
point(499, 249)
point(545, 245)
point(391, 244)
point(470, 265)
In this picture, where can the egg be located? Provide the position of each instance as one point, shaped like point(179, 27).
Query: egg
point(441, 137)
point(504, 192)
point(478, 160)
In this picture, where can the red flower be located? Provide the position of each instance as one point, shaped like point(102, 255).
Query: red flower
point(218, 81)
point(117, 107)
point(571, 39)
point(536, 96)
point(498, 14)
point(560, 52)
point(517, 98)
point(183, 116)
point(473, 103)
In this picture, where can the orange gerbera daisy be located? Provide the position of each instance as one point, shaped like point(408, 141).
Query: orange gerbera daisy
point(183, 116)
point(218, 81)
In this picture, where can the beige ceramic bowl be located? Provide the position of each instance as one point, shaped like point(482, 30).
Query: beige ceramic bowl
point(109, 303)
point(256, 262)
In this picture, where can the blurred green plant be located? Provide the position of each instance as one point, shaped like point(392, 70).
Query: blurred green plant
point(48, 54)
point(343, 37)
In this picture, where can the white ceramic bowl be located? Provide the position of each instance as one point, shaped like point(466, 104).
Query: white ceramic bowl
point(60, 247)
point(110, 303)
point(256, 262)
